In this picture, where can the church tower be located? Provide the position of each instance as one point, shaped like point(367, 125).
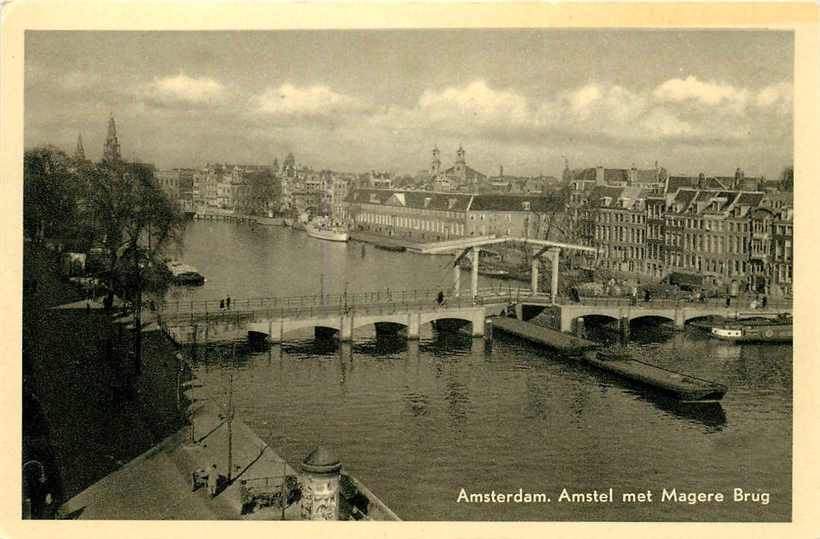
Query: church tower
point(435, 167)
point(111, 151)
point(79, 152)
point(461, 164)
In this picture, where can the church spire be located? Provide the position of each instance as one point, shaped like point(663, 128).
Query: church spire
point(111, 152)
point(79, 152)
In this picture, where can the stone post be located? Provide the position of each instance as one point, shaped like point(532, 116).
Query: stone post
point(474, 279)
point(456, 277)
point(554, 283)
point(579, 328)
point(321, 472)
point(534, 275)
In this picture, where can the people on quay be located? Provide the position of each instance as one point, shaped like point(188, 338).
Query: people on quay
point(728, 301)
point(753, 304)
point(647, 295)
point(221, 304)
point(764, 302)
point(228, 302)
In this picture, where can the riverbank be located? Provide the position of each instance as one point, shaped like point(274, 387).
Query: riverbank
point(158, 483)
point(74, 364)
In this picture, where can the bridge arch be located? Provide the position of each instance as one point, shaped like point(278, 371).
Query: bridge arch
point(650, 316)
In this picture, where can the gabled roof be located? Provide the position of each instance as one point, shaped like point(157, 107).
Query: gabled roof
point(504, 202)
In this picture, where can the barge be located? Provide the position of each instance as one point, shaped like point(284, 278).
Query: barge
point(684, 387)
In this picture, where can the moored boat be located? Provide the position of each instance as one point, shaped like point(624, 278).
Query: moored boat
point(327, 233)
point(750, 329)
point(184, 274)
point(682, 386)
point(390, 247)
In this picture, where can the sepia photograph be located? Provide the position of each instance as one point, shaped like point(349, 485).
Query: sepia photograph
point(416, 274)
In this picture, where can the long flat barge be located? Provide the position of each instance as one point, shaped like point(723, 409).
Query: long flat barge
point(685, 387)
point(682, 386)
point(551, 338)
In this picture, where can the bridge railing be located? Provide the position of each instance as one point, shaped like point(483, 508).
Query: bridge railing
point(678, 302)
point(376, 297)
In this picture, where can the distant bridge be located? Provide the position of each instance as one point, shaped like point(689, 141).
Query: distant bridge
point(677, 311)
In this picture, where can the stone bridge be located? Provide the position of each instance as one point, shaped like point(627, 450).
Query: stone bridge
point(678, 312)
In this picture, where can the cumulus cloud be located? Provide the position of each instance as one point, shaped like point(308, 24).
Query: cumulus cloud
point(776, 95)
point(184, 89)
point(312, 101)
point(476, 102)
point(707, 93)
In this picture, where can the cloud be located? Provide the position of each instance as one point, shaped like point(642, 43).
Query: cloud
point(182, 89)
point(706, 93)
point(475, 103)
point(776, 95)
point(315, 102)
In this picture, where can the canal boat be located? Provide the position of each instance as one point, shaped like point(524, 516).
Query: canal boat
point(327, 233)
point(684, 387)
point(184, 274)
point(756, 329)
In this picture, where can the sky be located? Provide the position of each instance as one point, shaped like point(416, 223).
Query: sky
point(694, 101)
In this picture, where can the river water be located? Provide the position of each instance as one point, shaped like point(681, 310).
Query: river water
point(418, 422)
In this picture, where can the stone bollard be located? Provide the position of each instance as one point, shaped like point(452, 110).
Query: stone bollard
point(580, 331)
point(321, 472)
point(488, 330)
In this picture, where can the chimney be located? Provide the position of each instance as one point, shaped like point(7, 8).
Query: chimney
point(599, 175)
point(701, 180)
point(501, 170)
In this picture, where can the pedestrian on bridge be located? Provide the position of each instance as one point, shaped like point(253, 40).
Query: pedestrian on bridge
point(440, 297)
point(228, 302)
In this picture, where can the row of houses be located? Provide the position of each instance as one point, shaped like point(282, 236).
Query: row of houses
point(721, 235)
point(258, 189)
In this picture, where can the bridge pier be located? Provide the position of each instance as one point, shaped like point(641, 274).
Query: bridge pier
point(456, 277)
point(474, 276)
point(624, 328)
point(680, 318)
point(413, 324)
point(346, 332)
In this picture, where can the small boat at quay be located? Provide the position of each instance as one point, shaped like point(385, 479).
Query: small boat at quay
point(184, 274)
point(684, 387)
point(327, 233)
point(750, 330)
point(390, 247)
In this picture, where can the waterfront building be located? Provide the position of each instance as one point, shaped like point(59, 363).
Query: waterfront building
point(620, 227)
point(426, 216)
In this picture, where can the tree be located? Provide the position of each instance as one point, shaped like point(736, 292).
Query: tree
point(787, 178)
point(264, 192)
point(137, 223)
point(51, 194)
